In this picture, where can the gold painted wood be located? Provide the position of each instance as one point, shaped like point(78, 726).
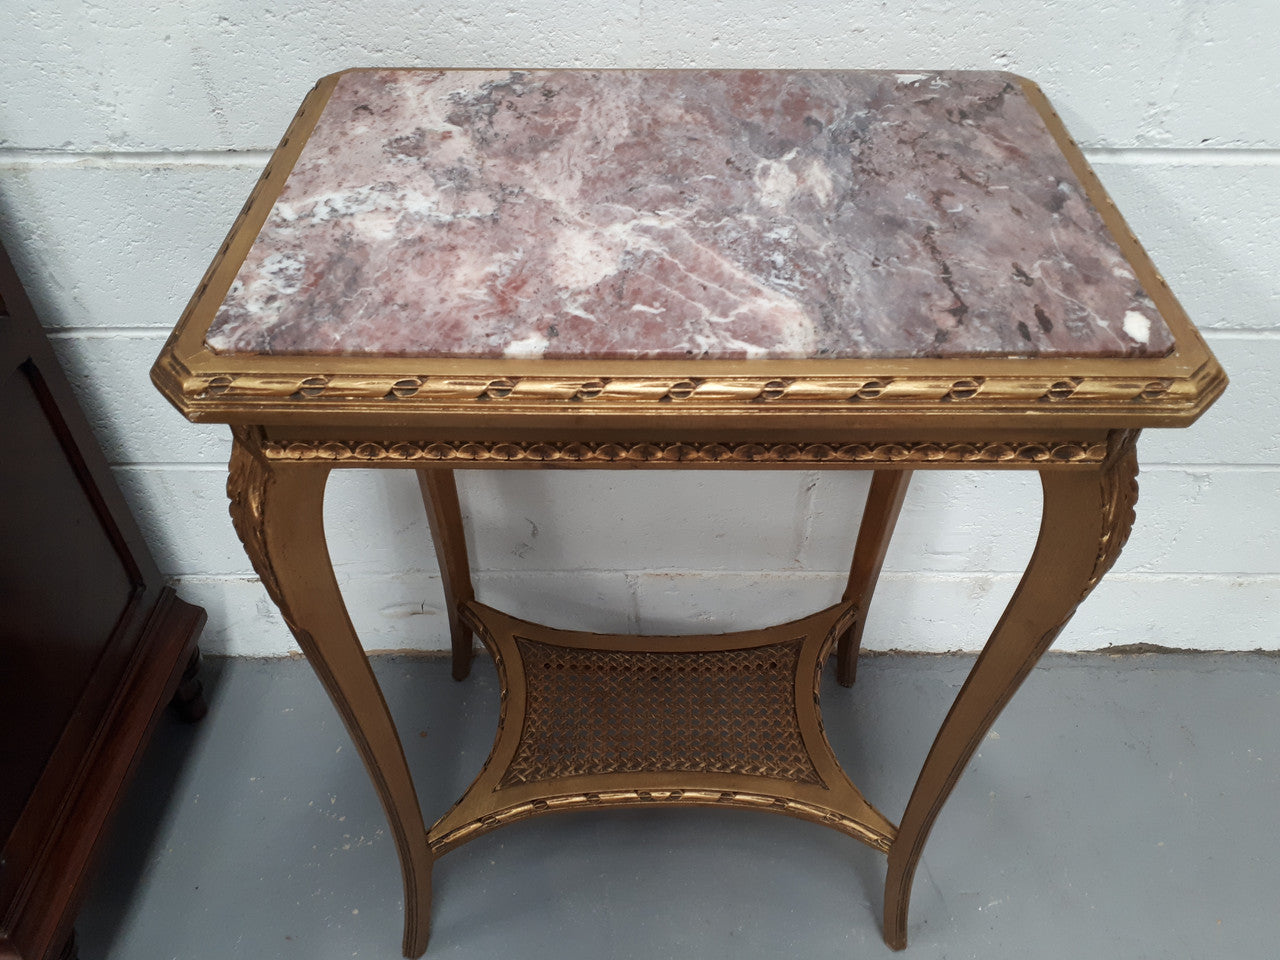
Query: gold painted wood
point(1094, 483)
point(444, 516)
point(1168, 391)
point(298, 417)
point(277, 510)
point(1010, 453)
point(1085, 522)
point(879, 517)
point(593, 720)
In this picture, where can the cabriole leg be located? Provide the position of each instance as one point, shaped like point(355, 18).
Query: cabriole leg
point(1085, 521)
point(277, 509)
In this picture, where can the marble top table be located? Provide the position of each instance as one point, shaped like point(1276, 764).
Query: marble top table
point(733, 269)
point(823, 242)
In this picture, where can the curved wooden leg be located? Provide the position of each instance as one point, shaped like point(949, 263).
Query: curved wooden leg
point(1085, 521)
point(444, 515)
point(277, 511)
point(879, 517)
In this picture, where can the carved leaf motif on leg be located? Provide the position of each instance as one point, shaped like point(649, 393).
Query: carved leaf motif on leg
point(1120, 496)
point(247, 477)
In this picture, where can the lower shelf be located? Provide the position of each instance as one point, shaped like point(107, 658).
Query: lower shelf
point(597, 720)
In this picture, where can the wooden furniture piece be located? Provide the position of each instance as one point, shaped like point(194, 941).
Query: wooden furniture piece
point(664, 270)
point(92, 642)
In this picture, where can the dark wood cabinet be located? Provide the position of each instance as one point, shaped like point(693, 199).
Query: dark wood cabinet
point(93, 645)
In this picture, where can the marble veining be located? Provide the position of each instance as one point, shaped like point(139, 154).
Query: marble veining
point(677, 214)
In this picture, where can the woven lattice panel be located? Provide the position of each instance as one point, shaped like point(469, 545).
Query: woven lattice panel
point(608, 711)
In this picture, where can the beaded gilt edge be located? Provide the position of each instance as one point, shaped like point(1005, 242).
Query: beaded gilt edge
point(390, 452)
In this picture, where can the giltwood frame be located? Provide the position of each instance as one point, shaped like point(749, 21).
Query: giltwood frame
point(296, 418)
point(277, 508)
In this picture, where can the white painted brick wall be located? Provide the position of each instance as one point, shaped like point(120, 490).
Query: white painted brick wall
point(130, 134)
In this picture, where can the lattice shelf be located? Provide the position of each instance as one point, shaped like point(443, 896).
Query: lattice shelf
point(604, 720)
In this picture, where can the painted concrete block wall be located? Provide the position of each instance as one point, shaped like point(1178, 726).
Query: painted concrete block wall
point(130, 134)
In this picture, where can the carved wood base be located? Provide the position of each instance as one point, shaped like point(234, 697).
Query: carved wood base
point(561, 743)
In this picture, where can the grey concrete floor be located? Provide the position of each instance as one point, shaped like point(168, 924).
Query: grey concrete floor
point(1121, 807)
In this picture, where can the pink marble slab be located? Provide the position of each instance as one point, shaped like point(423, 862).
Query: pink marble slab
point(674, 214)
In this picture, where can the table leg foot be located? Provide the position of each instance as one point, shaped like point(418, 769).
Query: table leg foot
point(879, 517)
point(1085, 521)
point(189, 700)
point(277, 510)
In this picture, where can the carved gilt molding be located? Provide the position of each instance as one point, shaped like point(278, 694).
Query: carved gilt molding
point(208, 387)
point(1120, 497)
point(814, 813)
point(624, 390)
point(247, 479)
point(676, 452)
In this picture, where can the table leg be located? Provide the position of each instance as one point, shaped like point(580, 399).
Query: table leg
point(444, 515)
point(189, 700)
point(277, 511)
point(1085, 521)
point(879, 517)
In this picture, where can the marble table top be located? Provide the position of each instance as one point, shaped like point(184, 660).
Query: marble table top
point(684, 214)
